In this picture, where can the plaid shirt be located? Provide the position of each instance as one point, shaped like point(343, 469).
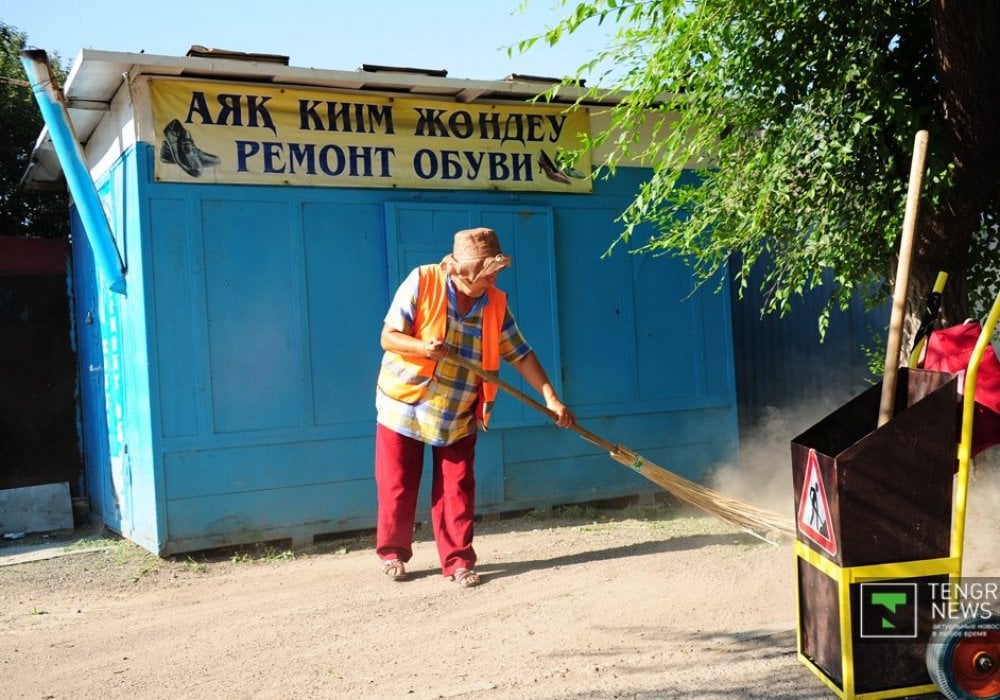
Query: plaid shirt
point(447, 412)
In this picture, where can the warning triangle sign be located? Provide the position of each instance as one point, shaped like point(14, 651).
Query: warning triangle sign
point(814, 509)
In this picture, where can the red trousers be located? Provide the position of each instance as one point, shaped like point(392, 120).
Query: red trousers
point(399, 462)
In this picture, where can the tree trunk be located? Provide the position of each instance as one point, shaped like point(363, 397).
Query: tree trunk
point(967, 48)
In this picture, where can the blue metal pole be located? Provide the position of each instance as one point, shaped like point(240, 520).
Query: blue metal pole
point(71, 158)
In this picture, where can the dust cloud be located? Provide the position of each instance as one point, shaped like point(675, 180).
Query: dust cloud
point(982, 525)
point(763, 476)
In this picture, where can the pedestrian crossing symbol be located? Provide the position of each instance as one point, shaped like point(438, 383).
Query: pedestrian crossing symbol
point(814, 509)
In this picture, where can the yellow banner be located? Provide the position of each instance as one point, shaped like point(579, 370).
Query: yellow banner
point(264, 134)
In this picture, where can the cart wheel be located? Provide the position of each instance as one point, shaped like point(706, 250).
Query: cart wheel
point(964, 659)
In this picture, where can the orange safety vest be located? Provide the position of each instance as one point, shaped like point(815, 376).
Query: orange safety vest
point(431, 321)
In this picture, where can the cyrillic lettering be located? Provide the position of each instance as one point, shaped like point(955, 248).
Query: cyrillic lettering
point(558, 121)
point(244, 151)
point(460, 123)
point(489, 126)
point(535, 125)
point(273, 157)
point(341, 111)
point(430, 123)
point(451, 165)
point(339, 160)
point(198, 105)
point(258, 114)
point(300, 154)
point(308, 118)
point(521, 167)
point(229, 105)
point(381, 115)
point(475, 159)
point(425, 164)
point(498, 166)
point(515, 120)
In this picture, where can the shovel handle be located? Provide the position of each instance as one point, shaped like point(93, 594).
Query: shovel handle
point(494, 378)
point(902, 285)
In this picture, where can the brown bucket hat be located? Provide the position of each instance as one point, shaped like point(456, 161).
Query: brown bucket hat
point(476, 253)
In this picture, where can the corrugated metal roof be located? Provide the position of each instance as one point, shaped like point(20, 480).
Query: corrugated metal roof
point(96, 77)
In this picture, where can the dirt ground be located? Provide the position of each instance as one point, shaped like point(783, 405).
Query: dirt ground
point(645, 602)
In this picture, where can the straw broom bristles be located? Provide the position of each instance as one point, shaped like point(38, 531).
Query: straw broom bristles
point(758, 521)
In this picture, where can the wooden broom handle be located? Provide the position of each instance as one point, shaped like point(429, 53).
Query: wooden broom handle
point(901, 289)
point(494, 378)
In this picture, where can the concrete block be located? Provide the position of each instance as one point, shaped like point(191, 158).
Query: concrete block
point(36, 509)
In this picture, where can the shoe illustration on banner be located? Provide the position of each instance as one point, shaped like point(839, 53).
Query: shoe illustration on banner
point(553, 172)
point(179, 148)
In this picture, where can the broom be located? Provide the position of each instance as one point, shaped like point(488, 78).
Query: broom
point(757, 521)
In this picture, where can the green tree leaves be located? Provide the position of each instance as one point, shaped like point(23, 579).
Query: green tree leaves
point(797, 117)
point(22, 213)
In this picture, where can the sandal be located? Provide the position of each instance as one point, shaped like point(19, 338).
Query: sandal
point(393, 568)
point(466, 578)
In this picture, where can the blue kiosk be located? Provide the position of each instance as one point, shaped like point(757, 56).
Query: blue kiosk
point(256, 219)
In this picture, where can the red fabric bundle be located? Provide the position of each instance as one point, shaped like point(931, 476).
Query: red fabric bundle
point(949, 350)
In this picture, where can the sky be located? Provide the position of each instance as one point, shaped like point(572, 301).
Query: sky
point(468, 39)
